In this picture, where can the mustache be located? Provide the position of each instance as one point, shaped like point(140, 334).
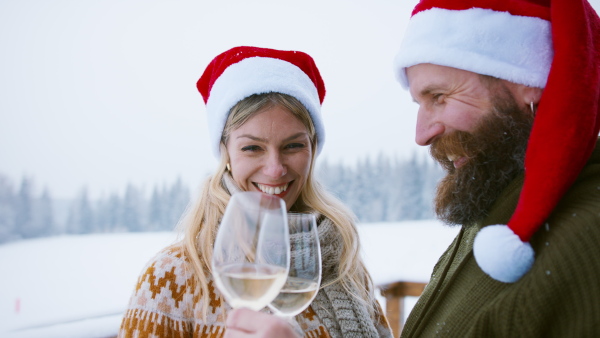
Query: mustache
point(457, 143)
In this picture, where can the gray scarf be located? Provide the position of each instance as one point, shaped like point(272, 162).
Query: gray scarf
point(342, 314)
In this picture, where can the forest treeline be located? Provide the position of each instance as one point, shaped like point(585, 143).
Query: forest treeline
point(377, 190)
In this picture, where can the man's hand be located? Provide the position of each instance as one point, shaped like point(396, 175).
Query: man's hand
point(245, 323)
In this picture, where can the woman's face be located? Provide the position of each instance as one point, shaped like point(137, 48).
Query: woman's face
point(271, 153)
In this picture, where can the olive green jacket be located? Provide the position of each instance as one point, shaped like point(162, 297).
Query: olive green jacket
point(558, 297)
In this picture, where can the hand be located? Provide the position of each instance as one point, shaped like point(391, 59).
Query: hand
point(245, 323)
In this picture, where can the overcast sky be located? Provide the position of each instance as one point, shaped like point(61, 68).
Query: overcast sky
point(99, 93)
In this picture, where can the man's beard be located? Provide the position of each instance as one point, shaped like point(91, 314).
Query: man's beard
point(496, 153)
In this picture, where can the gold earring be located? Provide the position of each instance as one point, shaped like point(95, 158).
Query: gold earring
point(228, 167)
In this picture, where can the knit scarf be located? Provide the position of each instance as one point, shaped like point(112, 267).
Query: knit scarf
point(341, 313)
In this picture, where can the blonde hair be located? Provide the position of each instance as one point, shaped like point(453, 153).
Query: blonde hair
point(200, 223)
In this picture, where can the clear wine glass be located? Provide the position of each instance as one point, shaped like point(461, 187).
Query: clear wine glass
point(251, 255)
point(304, 276)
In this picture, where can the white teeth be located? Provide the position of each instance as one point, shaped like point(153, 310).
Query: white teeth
point(272, 190)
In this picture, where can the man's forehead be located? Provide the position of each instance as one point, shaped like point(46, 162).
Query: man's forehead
point(432, 75)
point(437, 69)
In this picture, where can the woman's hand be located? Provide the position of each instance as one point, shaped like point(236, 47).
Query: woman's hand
point(245, 323)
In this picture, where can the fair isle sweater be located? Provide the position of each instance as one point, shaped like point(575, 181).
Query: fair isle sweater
point(166, 303)
point(558, 297)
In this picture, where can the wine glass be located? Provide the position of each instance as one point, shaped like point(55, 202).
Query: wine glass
point(304, 276)
point(251, 254)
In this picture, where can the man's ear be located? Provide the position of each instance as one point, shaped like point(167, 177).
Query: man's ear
point(525, 96)
point(531, 94)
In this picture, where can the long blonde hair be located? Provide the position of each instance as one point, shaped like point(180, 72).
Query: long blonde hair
point(200, 223)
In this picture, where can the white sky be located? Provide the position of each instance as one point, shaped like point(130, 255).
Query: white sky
point(100, 93)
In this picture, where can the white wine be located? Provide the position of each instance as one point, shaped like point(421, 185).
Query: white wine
point(295, 296)
point(250, 285)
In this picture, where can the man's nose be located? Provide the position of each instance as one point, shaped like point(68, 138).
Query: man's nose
point(428, 127)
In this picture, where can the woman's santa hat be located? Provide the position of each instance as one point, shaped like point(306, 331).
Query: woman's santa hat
point(244, 71)
point(553, 45)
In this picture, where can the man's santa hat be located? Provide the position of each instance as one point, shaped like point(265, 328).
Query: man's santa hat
point(553, 45)
point(244, 71)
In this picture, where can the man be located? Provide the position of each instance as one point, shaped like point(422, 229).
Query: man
point(508, 95)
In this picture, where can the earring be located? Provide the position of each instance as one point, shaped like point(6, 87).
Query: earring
point(228, 167)
point(531, 106)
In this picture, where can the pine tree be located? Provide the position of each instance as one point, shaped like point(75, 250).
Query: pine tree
point(113, 212)
point(179, 197)
point(131, 212)
point(43, 217)
point(81, 215)
point(384, 190)
point(24, 209)
point(156, 210)
point(434, 174)
point(8, 228)
point(107, 213)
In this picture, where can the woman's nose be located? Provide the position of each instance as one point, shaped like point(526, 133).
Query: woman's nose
point(274, 166)
point(428, 127)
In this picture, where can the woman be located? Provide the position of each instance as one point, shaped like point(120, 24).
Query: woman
point(265, 126)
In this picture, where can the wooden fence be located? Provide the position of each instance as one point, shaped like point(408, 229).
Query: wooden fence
point(395, 294)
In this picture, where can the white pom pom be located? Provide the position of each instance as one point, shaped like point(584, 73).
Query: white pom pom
point(501, 254)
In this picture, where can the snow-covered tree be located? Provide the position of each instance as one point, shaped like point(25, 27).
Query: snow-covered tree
point(156, 209)
point(132, 208)
point(178, 199)
point(43, 216)
point(81, 215)
point(8, 229)
point(24, 209)
point(384, 190)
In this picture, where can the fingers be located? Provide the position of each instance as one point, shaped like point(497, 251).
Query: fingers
point(245, 320)
point(233, 333)
point(245, 323)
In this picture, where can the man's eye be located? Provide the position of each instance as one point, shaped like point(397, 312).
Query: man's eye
point(438, 98)
point(251, 148)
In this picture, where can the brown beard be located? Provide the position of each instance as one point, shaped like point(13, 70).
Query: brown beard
point(496, 152)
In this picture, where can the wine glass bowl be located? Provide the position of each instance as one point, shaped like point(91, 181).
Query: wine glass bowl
point(251, 252)
point(304, 276)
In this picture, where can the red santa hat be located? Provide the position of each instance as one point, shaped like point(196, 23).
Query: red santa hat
point(553, 45)
point(243, 71)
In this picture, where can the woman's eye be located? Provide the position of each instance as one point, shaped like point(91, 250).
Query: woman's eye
point(250, 148)
point(295, 146)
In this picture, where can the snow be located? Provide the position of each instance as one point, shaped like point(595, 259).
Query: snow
point(79, 286)
point(404, 250)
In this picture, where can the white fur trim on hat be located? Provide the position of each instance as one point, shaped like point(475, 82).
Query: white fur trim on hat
point(501, 254)
point(259, 75)
point(510, 47)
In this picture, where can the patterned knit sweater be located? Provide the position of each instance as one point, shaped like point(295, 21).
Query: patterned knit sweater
point(166, 303)
point(558, 297)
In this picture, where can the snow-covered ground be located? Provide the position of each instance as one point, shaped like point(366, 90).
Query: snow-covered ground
point(78, 286)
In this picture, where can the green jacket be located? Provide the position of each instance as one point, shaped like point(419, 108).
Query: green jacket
point(558, 297)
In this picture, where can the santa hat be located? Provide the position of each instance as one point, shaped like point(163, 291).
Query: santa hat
point(243, 71)
point(552, 45)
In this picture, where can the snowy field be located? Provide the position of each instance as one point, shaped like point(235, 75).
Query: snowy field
point(78, 286)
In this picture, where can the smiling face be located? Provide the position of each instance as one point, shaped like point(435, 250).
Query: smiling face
point(476, 130)
point(272, 153)
point(449, 100)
